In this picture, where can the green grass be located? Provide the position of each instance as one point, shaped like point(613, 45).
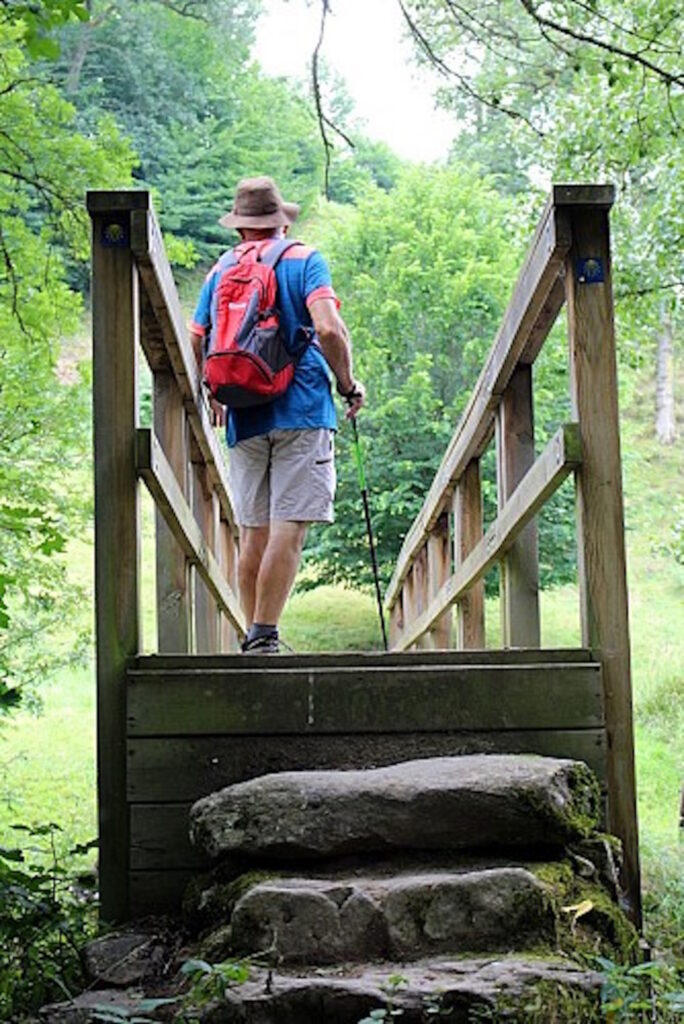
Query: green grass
point(47, 763)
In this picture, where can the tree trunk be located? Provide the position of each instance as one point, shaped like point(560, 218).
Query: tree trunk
point(666, 429)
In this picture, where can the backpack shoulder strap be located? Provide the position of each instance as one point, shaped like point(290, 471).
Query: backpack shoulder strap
point(272, 256)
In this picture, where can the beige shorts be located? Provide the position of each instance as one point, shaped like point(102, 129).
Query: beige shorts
point(287, 475)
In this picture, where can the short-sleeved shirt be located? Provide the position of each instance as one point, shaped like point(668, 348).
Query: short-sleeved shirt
point(303, 277)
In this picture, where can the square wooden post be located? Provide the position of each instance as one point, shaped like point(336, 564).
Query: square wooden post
point(439, 570)
point(173, 569)
point(468, 533)
point(520, 566)
point(116, 321)
point(600, 514)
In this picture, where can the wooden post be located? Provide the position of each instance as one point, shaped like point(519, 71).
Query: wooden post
point(396, 620)
point(226, 553)
point(408, 591)
point(520, 566)
point(206, 611)
point(173, 570)
point(421, 592)
point(600, 515)
point(468, 533)
point(439, 570)
point(115, 306)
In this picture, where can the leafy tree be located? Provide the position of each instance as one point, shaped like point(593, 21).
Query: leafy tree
point(577, 91)
point(199, 115)
point(45, 168)
point(422, 272)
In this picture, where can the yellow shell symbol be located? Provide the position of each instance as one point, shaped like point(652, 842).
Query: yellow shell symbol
point(114, 233)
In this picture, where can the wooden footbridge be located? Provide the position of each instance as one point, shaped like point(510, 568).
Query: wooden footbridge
point(197, 716)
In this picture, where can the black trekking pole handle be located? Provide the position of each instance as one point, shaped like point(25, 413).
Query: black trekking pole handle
point(369, 527)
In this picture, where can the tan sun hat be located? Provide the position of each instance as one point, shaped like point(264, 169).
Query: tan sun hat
point(259, 204)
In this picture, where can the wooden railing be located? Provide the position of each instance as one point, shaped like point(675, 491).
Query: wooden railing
point(446, 552)
point(136, 308)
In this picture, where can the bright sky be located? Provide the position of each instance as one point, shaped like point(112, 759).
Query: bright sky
point(364, 43)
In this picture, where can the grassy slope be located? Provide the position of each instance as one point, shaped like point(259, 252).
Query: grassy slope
point(47, 763)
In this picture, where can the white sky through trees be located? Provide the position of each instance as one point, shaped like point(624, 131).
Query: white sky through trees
point(364, 43)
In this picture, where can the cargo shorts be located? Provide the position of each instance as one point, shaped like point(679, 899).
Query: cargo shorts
point(286, 475)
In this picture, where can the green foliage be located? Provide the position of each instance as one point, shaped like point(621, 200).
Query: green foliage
point(199, 115)
point(44, 919)
point(423, 272)
point(591, 94)
point(209, 982)
point(43, 419)
point(640, 992)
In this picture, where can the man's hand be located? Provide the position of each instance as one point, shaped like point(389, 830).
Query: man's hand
point(218, 413)
point(355, 399)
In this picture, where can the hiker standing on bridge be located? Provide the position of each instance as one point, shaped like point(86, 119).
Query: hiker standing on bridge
point(281, 463)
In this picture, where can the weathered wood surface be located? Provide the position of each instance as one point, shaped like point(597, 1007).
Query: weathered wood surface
point(439, 570)
point(205, 607)
point(468, 528)
point(159, 838)
point(187, 768)
point(371, 699)
point(173, 570)
point(544, 261)
point(559, 458)
point(520, 625)
point(364, 659)
point(117, 533)
point(153, 467)
point(600, 519)
point(157, 892)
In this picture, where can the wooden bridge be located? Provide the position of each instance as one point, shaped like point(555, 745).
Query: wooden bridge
point(179, 724)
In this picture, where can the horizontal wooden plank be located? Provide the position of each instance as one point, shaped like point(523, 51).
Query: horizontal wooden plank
point(160, 840)
point(559, 458)
point(154, 468)
point(157, 278)
point(544, 262)
point(360, 659)
point(187, 768)
point(157, 892)
point(364, 700)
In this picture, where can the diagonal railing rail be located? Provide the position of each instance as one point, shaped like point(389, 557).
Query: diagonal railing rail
point(446, 553)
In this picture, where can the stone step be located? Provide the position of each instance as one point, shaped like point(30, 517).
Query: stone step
point(460, 991)
point(446, 803)
point(407, 916)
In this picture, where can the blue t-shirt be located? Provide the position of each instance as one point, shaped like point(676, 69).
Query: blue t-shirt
point(303, 277)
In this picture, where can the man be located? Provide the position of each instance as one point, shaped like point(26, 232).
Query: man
point(281, 463)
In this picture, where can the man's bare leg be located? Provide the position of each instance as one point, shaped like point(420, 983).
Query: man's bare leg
point(253, 541)
point(278, 568)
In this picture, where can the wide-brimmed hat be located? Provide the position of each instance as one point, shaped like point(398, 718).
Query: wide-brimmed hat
point(259, 204)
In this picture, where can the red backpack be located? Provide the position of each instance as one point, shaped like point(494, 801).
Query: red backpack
point(246, 362)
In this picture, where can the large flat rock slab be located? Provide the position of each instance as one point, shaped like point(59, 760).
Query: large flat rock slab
point(446, 803)
point(410, 916)
point(503, 989)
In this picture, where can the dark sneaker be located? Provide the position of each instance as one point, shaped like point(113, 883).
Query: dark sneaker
point(261, 645)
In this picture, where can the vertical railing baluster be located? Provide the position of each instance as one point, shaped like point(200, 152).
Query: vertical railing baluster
point(467, 533)
point(520, 565)
point(439, 570)
point(173, 570)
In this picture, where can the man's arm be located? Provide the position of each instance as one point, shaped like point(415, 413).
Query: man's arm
point(336, 345)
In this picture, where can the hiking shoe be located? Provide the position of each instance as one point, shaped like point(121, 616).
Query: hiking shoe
point(261, 645)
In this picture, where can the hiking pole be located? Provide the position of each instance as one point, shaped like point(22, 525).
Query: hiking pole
point(369, 528)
